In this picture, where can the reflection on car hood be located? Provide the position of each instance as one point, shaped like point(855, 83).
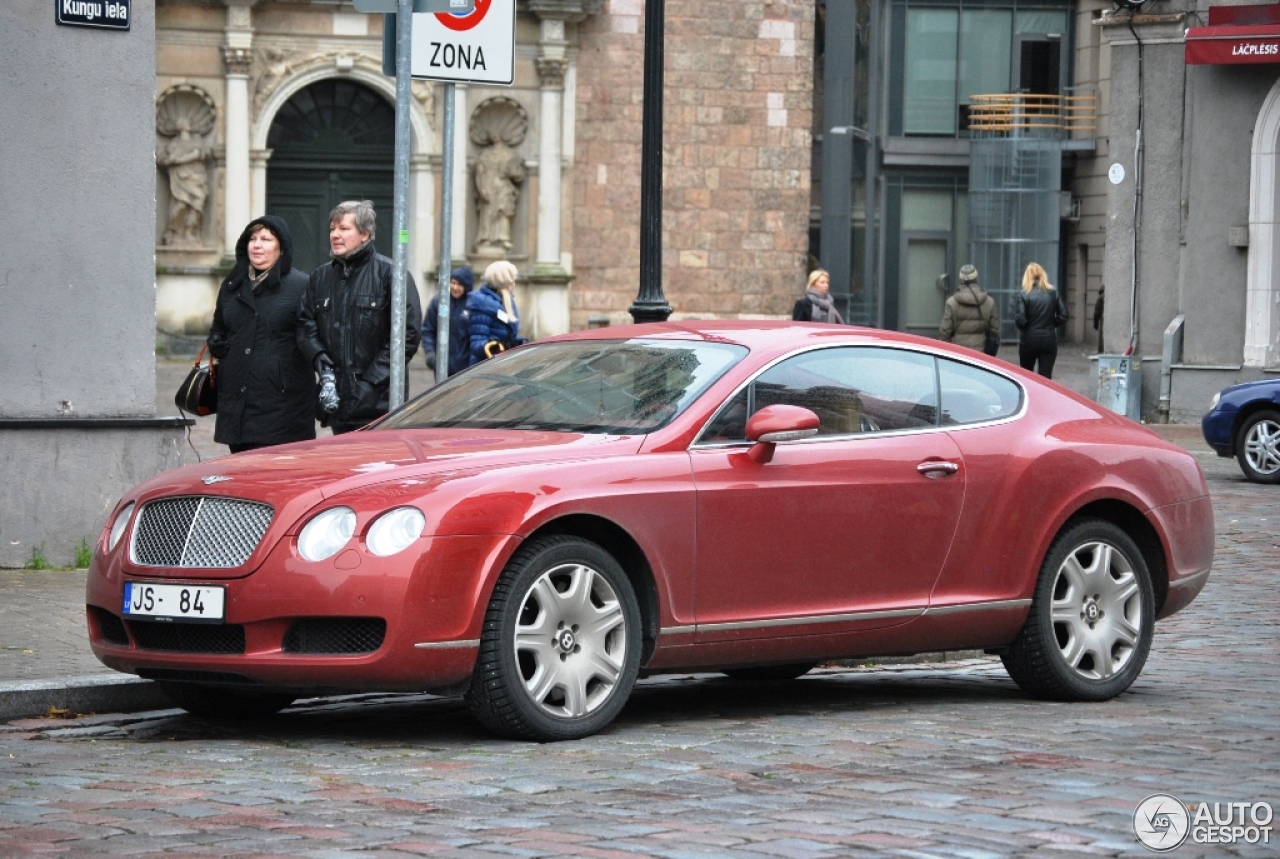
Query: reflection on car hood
point(328, 466)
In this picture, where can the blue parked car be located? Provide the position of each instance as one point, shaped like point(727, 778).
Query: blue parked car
point(1244, 421)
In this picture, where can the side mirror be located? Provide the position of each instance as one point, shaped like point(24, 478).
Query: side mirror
point(774, 424)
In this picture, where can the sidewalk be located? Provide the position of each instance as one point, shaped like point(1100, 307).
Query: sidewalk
point(45, 661)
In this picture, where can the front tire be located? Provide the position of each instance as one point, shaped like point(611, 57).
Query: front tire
point(1089, 630)
point(225, 703)
point(1258, 447)
point(560, 649)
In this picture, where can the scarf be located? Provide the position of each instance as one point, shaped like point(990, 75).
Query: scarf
point(822, 309)
point(257, 280)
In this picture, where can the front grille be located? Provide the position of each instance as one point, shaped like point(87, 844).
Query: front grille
point(188, 637)
point(110, 627)
point(335, 635)
point(199, 531)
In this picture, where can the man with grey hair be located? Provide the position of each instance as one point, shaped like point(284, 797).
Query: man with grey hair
point(344, 326)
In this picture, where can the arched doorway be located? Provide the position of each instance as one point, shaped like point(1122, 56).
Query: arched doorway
point(332, 141)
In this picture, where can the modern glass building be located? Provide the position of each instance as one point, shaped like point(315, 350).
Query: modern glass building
point(948, 132)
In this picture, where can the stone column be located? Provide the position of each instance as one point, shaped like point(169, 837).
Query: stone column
point(237, 54)
point(258, 159)
point(551, 70)
point(422, 221)
point(548, 281)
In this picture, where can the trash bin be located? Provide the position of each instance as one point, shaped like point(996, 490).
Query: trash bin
point(1120, 384)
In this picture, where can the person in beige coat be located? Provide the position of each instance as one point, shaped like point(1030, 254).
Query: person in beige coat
point(969, 314)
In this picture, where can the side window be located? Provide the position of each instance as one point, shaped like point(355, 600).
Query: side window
point(730, 423)
point(971, 394)
point(851, 389)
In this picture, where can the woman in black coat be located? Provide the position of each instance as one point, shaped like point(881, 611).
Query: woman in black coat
point(1038, 311)
point(266, 388)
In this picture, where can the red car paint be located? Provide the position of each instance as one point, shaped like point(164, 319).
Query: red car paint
point(847, 546)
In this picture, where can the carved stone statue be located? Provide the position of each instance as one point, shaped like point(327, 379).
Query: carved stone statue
point(188, 187)
point(186, 114)
point(498, 126)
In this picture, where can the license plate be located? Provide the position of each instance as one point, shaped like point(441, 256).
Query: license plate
point(198, 603)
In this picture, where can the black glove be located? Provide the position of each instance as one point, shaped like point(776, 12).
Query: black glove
point(431, 359)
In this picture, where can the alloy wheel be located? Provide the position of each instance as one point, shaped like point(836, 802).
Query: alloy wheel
point(570, 641)
point(1096, 611)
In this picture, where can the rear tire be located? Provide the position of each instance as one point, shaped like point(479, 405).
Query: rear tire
point(1089, 630)
point(1258, 447)
point(225, 703)
point(560, 649)
point(769, 673)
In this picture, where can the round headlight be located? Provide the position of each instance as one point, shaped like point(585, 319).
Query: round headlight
point(328, 532)
point(118, 526)
point(1213, 404)
point(395, 531)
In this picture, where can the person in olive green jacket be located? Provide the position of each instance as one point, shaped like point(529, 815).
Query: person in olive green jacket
point(969, 314)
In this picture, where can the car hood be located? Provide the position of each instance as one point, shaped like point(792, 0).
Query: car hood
point(308, 472)
point(1258, 389)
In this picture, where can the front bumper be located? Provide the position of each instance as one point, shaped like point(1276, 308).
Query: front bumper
point(430, 597)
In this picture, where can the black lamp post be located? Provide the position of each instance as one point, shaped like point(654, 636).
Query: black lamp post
point(651, 305)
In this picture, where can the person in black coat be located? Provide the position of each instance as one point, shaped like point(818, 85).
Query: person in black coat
point(266, 389)
point(460, 282)
point(816, 304)
point(344, 326)
point(1038, 311)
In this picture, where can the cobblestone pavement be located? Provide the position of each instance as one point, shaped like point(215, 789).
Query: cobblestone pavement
point(921, 760)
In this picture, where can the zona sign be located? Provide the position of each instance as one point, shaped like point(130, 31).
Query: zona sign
point(476, 47)
point(463, 22)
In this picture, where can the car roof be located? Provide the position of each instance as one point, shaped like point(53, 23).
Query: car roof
point(754, 334)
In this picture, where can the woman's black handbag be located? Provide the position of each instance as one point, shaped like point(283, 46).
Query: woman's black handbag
point(198, 393)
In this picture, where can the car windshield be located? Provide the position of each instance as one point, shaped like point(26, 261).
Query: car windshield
point(621, 387)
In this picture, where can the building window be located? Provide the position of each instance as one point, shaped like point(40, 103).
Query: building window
point(945, 54)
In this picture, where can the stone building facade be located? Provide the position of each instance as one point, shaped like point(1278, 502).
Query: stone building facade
point(281, 106)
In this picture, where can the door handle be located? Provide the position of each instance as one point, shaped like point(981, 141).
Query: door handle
point(937, 468)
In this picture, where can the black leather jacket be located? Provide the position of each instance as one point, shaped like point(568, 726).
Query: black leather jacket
point(346, 316)
point(1038, 314)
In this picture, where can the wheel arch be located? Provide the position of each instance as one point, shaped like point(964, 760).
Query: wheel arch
point(615, 540)
point(1129, 519)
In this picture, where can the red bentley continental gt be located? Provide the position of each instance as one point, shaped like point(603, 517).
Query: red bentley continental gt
point(748, 497)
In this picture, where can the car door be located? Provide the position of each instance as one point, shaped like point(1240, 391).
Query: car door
point(846, 530)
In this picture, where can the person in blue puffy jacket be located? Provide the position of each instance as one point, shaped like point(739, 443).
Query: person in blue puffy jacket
point(460, 282)
point(492, 316)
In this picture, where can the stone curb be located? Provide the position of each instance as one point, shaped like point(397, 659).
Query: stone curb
point(97, 693)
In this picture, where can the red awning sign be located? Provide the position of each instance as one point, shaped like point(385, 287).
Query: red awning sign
point(1230, 45)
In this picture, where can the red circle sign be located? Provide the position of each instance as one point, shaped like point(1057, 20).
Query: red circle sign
point(462, 23)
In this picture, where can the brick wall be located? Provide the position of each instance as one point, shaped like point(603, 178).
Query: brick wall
point(738, 109)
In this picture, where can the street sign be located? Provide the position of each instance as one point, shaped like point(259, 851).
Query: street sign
point(107, 14)
point(477, 47)
point(462, 6)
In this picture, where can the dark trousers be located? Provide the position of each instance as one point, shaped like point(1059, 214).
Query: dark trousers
point(1029, 354)
point(241, 448)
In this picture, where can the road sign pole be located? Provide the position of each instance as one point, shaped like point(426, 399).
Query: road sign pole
point(446, 237)
point(404, 55)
